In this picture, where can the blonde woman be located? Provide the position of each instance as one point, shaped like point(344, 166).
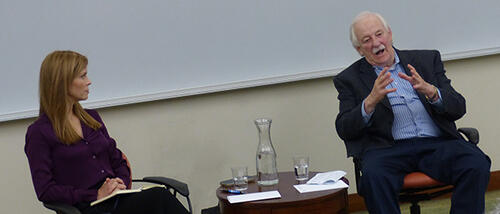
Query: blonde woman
point(72, 158)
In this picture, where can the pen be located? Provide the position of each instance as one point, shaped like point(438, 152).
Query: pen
point(232, 191)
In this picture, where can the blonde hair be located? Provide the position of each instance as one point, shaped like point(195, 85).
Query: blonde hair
point(57, 72)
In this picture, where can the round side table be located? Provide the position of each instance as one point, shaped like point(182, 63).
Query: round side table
point(291, 201)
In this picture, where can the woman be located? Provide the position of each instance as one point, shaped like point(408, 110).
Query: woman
point(72, 158)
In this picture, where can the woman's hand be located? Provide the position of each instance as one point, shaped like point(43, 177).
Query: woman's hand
point(109, 186)
point(120, 181)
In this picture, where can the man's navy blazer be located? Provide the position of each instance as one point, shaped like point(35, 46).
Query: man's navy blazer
point(356, 82)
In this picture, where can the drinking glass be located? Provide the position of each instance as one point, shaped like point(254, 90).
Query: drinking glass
point(301, 167)
point(240, 177)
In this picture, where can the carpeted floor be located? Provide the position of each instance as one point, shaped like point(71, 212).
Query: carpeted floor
point(442, 206)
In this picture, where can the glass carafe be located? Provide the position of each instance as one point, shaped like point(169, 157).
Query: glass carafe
point(267, 173)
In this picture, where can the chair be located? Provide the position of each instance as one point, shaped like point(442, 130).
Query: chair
point(171, 184)
point(418, 186)
point(211, 210)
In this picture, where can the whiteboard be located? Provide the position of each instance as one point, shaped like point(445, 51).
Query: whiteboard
point(158, 49)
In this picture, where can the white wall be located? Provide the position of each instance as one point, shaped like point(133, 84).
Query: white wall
point(197, 139)
point(160, 48)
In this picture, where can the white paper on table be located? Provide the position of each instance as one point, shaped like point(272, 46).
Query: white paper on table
point(327, 177)
point(303, 188)
point(253, 196)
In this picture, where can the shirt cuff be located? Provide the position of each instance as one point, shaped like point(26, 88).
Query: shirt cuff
point(367, 117)
point(439, 101)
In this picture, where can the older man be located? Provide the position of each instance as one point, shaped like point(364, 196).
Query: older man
point(397, 115)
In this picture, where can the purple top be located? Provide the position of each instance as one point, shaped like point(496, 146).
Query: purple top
point(72, 173)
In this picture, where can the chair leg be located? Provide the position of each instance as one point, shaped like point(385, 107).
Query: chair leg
point(414, 208)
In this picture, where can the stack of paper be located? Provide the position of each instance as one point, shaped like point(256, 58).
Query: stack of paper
point(323, 181)
point(327, 177)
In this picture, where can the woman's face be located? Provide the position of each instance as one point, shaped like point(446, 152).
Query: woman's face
point(79, 88)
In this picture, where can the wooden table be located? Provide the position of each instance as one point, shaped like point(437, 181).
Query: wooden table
point(291, 201)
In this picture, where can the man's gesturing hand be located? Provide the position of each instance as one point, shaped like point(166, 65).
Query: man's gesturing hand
point(419, 84)
point(379, 90)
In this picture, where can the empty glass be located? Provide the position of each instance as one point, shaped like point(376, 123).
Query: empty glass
point(240, 177)
point(301, 167)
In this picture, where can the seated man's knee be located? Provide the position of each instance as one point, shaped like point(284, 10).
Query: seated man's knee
point(372, 171)
point(478, 165)
point(483, 165)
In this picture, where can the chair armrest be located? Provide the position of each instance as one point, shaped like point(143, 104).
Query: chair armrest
point(62, 208)
point(472, 134)
point(178, 186)
point(357, 172)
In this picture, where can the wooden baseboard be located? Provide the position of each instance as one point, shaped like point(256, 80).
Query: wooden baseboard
point(494, 181)
point(356, 202)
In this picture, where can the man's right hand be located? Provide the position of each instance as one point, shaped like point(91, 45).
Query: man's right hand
point(379, 90)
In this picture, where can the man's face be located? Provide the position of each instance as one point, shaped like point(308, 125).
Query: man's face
point(375, 41)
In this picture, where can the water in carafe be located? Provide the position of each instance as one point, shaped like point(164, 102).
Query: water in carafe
point(267, 173)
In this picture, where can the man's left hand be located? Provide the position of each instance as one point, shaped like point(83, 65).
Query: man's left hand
point(418, 83)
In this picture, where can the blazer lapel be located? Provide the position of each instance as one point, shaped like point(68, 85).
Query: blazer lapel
point(368, 77)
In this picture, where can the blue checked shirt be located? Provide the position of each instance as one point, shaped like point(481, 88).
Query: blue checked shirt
point(410, 117)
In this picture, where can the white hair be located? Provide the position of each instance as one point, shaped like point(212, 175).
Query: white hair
point(353, 37)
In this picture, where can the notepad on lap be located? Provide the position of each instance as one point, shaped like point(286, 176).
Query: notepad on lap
point(253, 196)
point(125, 191)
